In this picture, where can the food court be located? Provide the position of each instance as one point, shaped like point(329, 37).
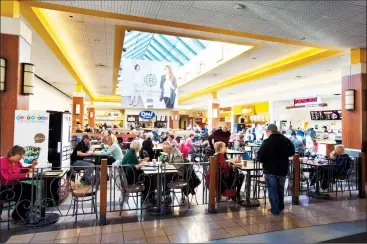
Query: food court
point(182, 121)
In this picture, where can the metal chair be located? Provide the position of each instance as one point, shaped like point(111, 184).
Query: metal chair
point(83, 193)
point(180, 181)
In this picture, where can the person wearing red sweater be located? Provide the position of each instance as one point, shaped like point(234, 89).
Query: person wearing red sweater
point(231, 178)
point(11, 188)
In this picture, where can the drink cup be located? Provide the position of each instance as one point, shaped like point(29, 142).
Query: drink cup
point(239, 158)
point(154, 161)
point(244, 163)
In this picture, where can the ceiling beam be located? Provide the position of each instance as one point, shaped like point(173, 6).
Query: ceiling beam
point(166, 23)
point(173, 47)
point(167, 52)
point(144, 39)
point(185, 45)
point(117, 55)
point(151, 54)
point(293, 61)
point(146, 56)
point(159, 53)
point(199, 44)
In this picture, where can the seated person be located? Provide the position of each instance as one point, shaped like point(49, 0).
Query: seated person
point(341, 164)
point(148, 145)
point(78, 128)
point(132, 167)
point(163, 137)
point(88, 129)
point(341, 159)
point(230, 176)
point(174, 157)
point(297, 143)
point(11, 189)
point(172, 140)
point(240, 143)
point(82, 150)
point(113, 149)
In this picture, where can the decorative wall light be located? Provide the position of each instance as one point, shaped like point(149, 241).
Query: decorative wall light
point(215, 113)
point(77, 109)
point(2, 74)
point(28, 79)
point(91, 115)
point(349, 99)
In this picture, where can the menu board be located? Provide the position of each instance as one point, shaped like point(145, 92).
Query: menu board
point(326, 115)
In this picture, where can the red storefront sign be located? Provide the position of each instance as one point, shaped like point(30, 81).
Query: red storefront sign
point(304, 101)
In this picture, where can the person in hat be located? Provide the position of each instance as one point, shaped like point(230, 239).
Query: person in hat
point(274, 154)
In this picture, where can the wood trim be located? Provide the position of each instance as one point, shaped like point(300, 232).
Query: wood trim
point(91, 121)
point(103, 193)
point(296, 178)
point(212, 184)
point(77, 117)
point(11, 99)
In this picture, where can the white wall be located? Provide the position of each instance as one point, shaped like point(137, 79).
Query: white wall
point(48, 98)
point(299, 116)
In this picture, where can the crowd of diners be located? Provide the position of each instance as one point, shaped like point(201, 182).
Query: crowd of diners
point(274, 154)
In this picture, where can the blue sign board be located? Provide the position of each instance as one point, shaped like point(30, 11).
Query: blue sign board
point(147, 114)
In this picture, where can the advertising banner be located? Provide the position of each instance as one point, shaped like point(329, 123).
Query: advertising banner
point(31, 132)
point(65, 141)
point(149, 84)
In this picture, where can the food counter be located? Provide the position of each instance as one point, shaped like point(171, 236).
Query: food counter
point(325, 147)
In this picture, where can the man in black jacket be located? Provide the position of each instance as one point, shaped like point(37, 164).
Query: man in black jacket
point(274, 154)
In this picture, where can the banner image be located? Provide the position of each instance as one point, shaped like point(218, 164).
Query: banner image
point(65, 141)
point(31, 132)
point(149, 84)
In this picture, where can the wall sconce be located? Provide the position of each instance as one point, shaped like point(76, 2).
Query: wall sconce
point(349, 99)
point(28, 79)
point(215, 114)
point(77, 109)
point(2, 74)
point(91, 115)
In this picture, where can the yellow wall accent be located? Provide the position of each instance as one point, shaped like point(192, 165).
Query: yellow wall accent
point(119, 41)
point(78, 88)
point(214, 95)
point(107, 98)
point(225, 114)
point(358, 55)
point(10, 8)
point(237, 110)
point(297, 60)
point(262, 107)
point(40, 24)
point(166, 23)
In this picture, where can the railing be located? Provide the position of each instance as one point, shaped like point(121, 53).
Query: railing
point(45, 196)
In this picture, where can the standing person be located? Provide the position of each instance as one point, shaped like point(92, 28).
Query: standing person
point(274, 154)
point(11, 188)
point(83, 149)
point(297, 143)
point(78, 128)
point(222, 135)
point(173, 141)
point(168, 87)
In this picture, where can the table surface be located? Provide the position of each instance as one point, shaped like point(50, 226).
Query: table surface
point(230, 151)
point(169, 169)
point(314, 162)
point(44, 175)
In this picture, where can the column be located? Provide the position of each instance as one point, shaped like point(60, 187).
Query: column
point(354, 114)
point(91, 111)
point(213, 112)
point(78, 107)
point(15, 48)
point(175, 115)
point(354, 120)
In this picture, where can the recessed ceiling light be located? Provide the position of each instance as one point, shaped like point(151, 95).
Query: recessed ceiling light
point(329, 70)
point(253, 58)
point(337, 94)
point(70, 16)
point(215, 74)
point(97, 40)
point(303, 38)
point(240, 6)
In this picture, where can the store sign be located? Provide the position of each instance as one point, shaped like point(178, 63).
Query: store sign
point(130, 119)
point(199, 114)
point(306, 101)
point(326, 115)
point(147, 114)
point(113, 114)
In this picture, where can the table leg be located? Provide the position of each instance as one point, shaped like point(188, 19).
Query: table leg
point(317, 193)
point(248, 202)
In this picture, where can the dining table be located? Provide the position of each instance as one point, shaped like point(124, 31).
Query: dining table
point(249, 166)
point(39, 178)
point(233, 153)
point(159, 171)
point(318, 164)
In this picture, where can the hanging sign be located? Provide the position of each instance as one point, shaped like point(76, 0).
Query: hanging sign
point(147, 114)
point(306, 101)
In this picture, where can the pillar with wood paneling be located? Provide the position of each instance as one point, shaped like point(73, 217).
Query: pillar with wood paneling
point(15, 47)
point(213, 112)
point(354, 120)
point(78, 107)
point(175, 119)
point(91, 113)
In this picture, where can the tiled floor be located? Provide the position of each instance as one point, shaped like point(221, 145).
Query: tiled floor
point(206, 227)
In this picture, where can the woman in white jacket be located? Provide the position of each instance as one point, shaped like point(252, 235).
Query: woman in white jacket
point(137, 86)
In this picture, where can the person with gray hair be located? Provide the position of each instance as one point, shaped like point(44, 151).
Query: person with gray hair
point(174, 156)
